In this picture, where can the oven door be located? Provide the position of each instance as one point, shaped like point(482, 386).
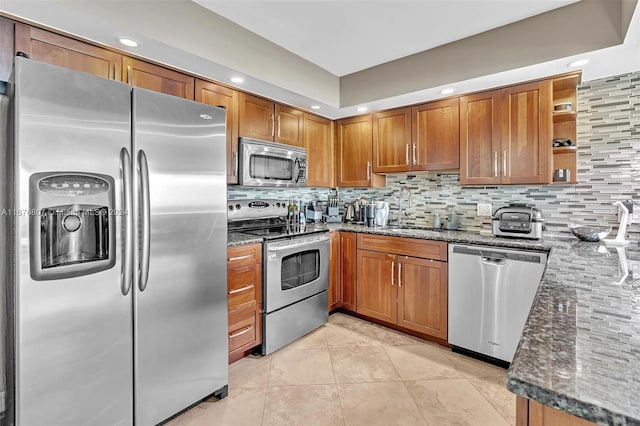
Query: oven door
point(295, 269)
point(271, 164)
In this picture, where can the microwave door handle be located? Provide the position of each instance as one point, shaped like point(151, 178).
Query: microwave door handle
point(296, 170)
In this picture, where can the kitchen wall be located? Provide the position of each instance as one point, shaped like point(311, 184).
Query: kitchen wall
point(608, 170)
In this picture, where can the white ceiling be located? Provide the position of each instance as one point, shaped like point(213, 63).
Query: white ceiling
point(344, 37)
point(331, 38)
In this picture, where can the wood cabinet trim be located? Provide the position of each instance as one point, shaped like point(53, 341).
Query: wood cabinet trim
point(426, 249)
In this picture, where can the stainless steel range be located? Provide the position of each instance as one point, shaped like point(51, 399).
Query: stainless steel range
point(295, 270)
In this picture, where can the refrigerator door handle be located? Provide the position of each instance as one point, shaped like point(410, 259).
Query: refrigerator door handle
point(143, 170)
point(127, 258)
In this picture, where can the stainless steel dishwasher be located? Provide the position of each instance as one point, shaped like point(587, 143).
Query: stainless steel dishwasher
point(491, 290)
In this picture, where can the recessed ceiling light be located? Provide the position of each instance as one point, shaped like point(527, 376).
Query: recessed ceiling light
point(315, 106)
point(362, 109)
point(206, 116)
point(237, 80)
point(129, 42)
point(579, 63)
point(447, 91)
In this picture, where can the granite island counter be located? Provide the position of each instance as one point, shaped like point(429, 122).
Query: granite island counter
point(580, 348)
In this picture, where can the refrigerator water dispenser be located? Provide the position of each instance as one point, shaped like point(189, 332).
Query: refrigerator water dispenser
point(71, 224)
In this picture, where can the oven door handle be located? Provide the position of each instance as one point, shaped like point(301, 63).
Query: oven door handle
point(297, 245)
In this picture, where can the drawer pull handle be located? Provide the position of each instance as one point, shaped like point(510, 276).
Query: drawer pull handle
point(240, 333)
point(248, 256)
point(240, 290)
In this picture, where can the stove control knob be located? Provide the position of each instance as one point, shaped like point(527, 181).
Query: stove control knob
point(238, 206)
point(230, 208)
point(277, 204)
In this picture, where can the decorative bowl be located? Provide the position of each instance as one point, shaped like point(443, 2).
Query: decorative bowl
point(589, 233)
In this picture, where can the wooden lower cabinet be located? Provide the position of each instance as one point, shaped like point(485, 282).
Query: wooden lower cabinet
point(422, 296)
point(348, 271)
point(334, 271)
point(376, 285)
point(403, 290)
point(531, 413)
point(244, 298)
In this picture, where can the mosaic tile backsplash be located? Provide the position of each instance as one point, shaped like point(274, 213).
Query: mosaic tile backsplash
point(608, 170)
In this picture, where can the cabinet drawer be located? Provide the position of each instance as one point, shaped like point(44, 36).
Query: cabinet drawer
point(244, 255)
point(243, 330)
point(242, 288)
point(425, 249)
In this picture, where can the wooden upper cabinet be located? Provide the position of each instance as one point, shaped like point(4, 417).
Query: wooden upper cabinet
point(256, 117)
point(355, 153)
point(55, 49)
point(436, 136)
point(527, 133)
point(159, 79)
point(422, 296)
point(289, 126)
point(392, 141)
point(318, 140)
point(265, 120)
point(480, 139)
point(216, 95)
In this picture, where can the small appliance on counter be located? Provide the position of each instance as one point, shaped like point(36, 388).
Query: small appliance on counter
point(519, 221)
point(451, 221)
point(381, 213)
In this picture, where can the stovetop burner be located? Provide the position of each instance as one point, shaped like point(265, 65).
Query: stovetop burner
point(265, 219)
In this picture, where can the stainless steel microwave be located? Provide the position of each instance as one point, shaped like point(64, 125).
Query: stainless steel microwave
point(272, 164)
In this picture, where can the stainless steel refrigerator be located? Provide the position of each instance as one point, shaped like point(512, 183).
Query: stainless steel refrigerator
point(114, 205)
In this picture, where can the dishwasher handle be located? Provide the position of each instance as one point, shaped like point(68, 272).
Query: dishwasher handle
point(492, 260)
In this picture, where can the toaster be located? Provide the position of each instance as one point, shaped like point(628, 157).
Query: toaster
point(519, 221)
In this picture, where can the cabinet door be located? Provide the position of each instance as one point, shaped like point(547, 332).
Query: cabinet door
point(213, 94)
point(348, 271)
point(355, 153)
point(436, 136)
point(159, 79)
point(64, 52)
point(334, 270)
point(527, 133)
point(480, 143)
point(422, 296)
point(392, 141)
point(256, 118)
point(318, 140)
point(376, 285)
point(289, 126)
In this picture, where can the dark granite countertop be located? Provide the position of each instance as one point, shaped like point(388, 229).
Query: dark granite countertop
point(239, 239)
point(580, 349)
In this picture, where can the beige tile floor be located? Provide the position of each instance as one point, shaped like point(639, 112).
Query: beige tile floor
point(352, 372)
